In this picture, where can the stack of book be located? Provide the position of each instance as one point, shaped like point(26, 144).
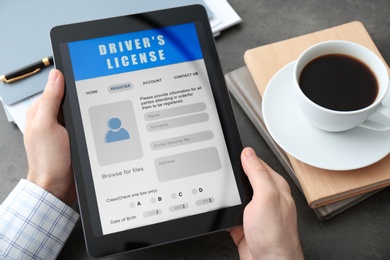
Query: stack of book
point(328, 192)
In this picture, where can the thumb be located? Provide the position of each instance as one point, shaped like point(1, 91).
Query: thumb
point(50, 100)
point(257, 173)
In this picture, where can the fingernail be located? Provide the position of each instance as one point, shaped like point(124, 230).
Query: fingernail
point(249, 152)
point(53, 75)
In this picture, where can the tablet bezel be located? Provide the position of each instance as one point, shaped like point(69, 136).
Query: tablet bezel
point(99, 245)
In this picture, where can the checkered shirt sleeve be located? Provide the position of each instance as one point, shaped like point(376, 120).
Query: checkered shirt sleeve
point(33, 223)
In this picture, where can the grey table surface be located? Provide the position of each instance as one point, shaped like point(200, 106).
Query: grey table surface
point(361, 232)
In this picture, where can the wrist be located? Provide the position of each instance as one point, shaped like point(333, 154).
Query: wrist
point(37, 180)
point(50, 186)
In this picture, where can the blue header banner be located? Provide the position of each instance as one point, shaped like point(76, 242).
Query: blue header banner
point(134, 51)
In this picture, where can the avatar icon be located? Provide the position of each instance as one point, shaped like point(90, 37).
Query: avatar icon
point(116, 132)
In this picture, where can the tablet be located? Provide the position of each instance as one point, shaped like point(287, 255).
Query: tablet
point(154, 144)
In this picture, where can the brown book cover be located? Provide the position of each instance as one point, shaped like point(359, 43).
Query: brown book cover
point(320, 186)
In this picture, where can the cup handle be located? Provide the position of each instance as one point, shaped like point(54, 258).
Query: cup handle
point(381, 114)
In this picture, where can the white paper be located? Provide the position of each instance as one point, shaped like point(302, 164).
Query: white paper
point(18, 110)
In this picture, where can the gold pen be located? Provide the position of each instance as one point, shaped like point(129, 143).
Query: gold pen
point(26, 70)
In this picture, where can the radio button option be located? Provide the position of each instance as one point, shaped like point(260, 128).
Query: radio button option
point(195, 191)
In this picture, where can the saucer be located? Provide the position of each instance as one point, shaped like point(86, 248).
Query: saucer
point(352, 149)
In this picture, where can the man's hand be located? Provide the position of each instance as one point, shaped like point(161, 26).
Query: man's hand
point(47, 143)
point(270, 220)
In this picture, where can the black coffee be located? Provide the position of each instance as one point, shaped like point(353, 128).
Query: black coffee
point(339, 82)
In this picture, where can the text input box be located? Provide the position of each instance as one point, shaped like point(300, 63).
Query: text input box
point(187, 164)
point(181, 140)
point(177, 122)
point(175, 111)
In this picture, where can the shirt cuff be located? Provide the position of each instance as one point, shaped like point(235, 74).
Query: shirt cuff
point(34, 223)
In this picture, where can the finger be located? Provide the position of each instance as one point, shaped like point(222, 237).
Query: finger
point(237, 234)
point(279, 181)
point(50, 100)
point(257, 174)
point(260, 175)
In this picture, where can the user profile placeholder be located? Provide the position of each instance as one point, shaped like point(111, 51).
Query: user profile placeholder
point(115, 132)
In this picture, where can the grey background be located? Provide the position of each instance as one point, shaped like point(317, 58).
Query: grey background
point(25, 26)
point(361, 232)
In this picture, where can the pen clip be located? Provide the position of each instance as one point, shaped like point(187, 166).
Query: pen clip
point(22, 76)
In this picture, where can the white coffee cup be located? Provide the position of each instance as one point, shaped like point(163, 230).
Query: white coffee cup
point(375, 116)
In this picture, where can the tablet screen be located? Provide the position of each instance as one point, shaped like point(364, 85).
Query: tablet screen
point(151, 128)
